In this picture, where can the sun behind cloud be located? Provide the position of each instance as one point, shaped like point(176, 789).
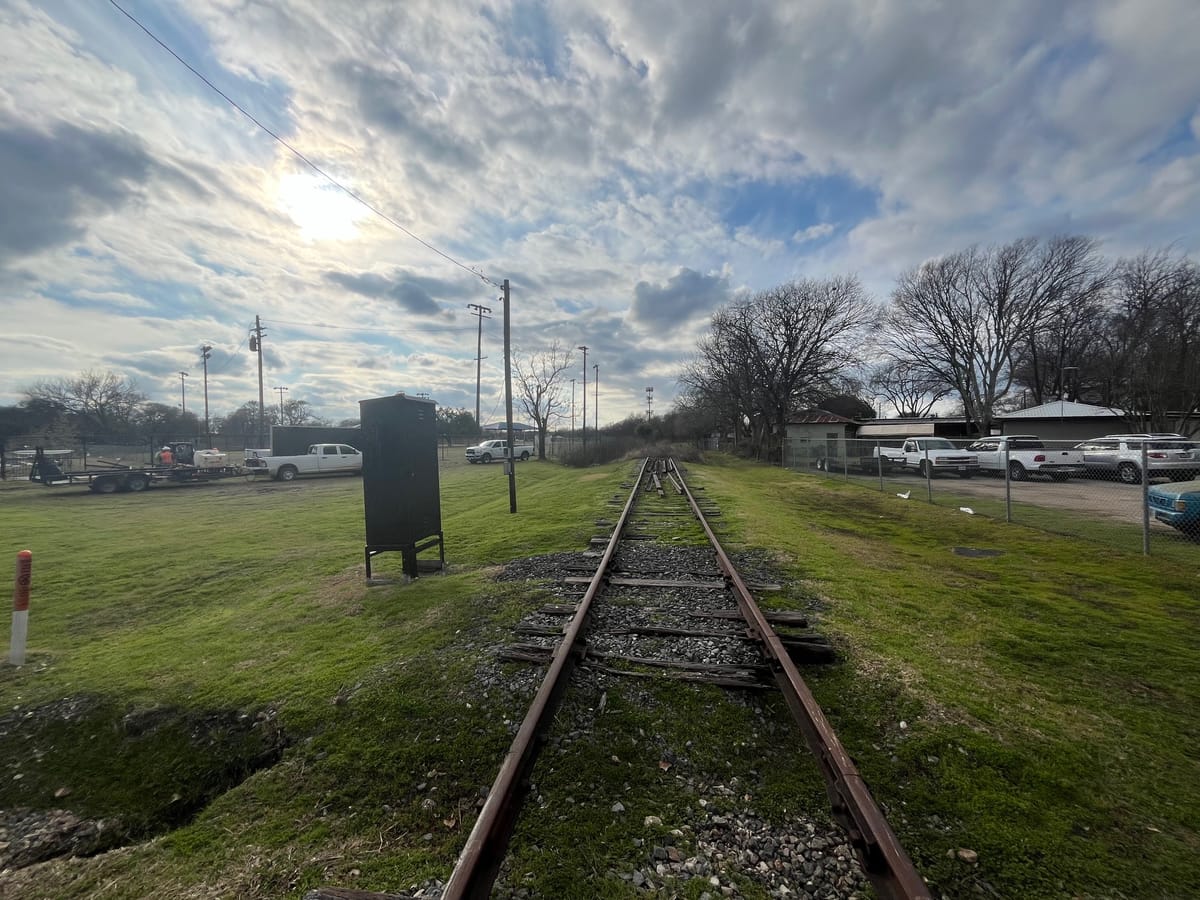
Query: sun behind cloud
point(320, 210)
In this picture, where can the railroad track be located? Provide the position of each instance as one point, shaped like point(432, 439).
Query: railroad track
point(684, 613)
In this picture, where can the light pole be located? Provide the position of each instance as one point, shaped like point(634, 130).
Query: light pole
point(183, 392)
point(479, 311)
point(596, 398)
point(281, 390)
point(585, 350)
point(649, 398)
point(1062, 387)
point(205, 355)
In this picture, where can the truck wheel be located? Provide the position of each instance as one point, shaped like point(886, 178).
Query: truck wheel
point(525, 456)
point(137, 483)
point(1016, 471)
point(287, 473)
point(106, 485)
point(487, 457)
point(1129, 473)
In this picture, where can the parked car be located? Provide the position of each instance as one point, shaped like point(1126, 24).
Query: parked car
point(1025, 455)
point(1178, 505)
point(1120, 456)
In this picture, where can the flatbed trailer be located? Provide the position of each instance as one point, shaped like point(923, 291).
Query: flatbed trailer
point(110, 478)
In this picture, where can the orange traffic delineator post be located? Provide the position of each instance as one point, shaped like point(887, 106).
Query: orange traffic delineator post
point(20, 616)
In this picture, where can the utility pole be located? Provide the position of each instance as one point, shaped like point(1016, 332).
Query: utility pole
point(256, 347)
point(649, 397)
point(205, 354)
point(512, 463)
point(281, 390)
point(596, 397)
point(183, 392)
point(585, 350)
point(479, 311)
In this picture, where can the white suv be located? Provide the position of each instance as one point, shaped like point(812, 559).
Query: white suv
point(1120, 456)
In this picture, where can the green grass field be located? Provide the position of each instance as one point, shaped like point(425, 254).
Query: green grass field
point(1048, 694)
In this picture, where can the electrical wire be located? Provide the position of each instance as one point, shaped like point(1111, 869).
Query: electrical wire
point(300, 156)
point(215, 370)
point(432, 329)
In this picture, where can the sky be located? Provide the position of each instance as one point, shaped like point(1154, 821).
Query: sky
point(629, 167)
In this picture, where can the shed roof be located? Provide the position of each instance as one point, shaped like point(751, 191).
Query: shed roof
point(819, 417)
point(1064, 409)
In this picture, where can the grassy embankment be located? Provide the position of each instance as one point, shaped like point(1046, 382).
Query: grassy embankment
point(1049, 694)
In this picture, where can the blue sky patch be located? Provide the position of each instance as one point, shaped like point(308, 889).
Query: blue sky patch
point(779, 210)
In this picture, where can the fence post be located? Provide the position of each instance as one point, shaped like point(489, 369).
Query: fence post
point(1007, 485)
point(1145, 501)
point(20, 616)
point(928, 475)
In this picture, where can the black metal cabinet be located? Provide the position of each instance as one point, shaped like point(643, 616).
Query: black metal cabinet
point(401, 496)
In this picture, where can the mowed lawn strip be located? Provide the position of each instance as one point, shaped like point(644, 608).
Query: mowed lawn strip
point(1057, 684)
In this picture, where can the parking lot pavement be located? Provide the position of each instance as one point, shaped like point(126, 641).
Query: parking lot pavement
point(1086, 496)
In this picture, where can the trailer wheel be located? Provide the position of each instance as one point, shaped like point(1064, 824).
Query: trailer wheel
point(105, 485)
point(525, 455)
point(137, 483)
point(287, 473)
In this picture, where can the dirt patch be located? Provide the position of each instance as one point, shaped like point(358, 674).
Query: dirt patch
point(81, 776)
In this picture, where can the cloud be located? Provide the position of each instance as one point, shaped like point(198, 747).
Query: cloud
point(687, 295)
point(414, 293)
point(812, 233)
point(629, 166)
point(55, 180)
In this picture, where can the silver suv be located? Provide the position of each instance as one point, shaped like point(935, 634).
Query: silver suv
point(1120, 456)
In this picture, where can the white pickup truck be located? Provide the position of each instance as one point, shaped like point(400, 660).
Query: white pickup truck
point(486, 451)
point(1026, 455)
point(321, 459)
point(930, 456)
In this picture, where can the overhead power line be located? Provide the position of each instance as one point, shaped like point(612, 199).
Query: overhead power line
point(431, 329)
point(300, 156)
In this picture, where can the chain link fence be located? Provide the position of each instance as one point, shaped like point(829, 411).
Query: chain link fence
point(1132, 491)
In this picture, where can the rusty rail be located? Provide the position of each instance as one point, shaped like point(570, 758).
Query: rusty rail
point(892, 873)
point(481, 857)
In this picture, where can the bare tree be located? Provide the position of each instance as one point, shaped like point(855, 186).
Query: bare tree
point(1154, 341)
point(961, 319)
point(97, 403)
point(539, 387)
point(913, 392)
point(782, 350)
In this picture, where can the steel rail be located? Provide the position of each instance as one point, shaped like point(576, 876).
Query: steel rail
point(884, 860)
point(481, 857)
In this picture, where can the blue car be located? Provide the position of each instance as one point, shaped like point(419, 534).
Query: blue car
point(1178, 504)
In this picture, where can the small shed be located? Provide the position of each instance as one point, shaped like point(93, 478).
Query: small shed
point(817, 435)
point(1064, 420)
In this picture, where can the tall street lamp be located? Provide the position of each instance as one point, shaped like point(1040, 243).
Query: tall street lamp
point(1062, 387)
point(205, 355)
point(183, 392)
point(479, 312)
point(585, 350)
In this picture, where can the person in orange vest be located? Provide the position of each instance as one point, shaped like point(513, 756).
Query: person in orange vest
point(166, 456)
